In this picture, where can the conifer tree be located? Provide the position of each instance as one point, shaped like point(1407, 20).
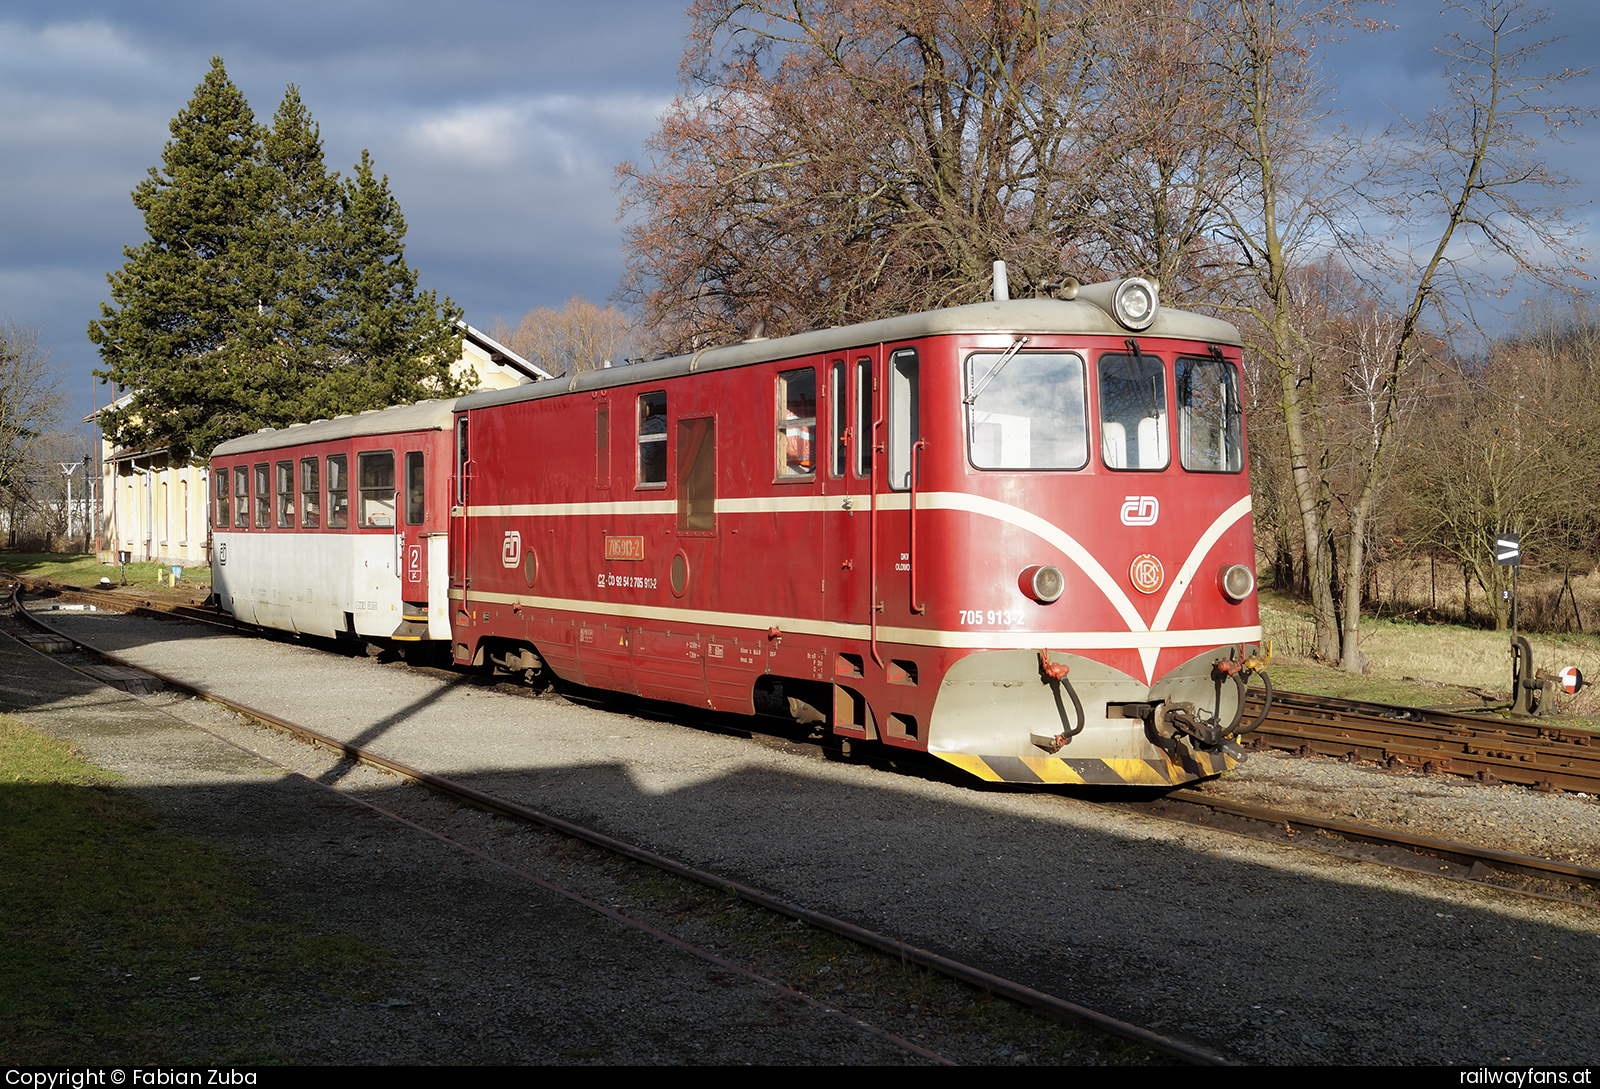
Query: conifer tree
point(298, 234)
point(268, 292)
point(189, 296)
point(397, 343)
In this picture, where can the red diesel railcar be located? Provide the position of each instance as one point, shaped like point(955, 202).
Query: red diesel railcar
point(1013, 534)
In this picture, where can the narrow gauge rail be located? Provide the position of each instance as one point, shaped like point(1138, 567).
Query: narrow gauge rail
point(1541, 756)
point(1507, 871)
point(1046, 1004)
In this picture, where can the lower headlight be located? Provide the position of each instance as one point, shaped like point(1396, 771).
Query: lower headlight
point(1044, 583)
point(1237, 581)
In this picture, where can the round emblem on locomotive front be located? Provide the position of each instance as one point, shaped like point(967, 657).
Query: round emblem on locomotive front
point(1145, 573)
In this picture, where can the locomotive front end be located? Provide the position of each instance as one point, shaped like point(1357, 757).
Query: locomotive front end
point(1103, 552)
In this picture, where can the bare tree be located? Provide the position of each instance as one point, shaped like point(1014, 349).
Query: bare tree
point(1280, 215)
point(1470, 180)
point(31, 404)
point(1461, 188)
point(578, 337)
point(832, 162)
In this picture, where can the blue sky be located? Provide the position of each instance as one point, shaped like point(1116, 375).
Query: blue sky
point(498, 123)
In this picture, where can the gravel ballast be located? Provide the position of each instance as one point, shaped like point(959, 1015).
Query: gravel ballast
point(1270, 953)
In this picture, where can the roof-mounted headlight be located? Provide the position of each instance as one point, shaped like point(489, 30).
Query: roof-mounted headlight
point(1136, 302)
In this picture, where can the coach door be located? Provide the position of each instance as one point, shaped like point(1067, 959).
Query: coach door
point(413, 529)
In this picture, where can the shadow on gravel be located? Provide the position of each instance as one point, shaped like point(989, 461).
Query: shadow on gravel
point(1276, 955)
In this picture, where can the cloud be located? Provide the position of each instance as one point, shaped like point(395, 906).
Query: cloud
point(571, 134)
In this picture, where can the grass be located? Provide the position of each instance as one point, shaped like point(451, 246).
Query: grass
point(84, 569)
point(1421, 663)
point(120, 941)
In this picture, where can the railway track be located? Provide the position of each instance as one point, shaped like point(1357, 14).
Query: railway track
point(1538, 755)
point(905, 953)
point(1535, 755)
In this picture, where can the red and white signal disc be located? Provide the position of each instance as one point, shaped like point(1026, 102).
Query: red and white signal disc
point(1571, 679)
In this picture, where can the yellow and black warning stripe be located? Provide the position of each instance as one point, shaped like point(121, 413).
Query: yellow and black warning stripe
point(1057, 770)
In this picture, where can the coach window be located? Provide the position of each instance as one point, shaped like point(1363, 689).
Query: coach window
point(1026, 411)
point(797, 424)
point(653, 439)
point(697, 475)
point(416, 496)
point(263, 497)
point(904, 416)
point(310, 494)
point(338, 491)
point(377, 488)
point(241, 496)
point(1133, 412)
point(285, 494)
point(1210, 422)
point(224, 508)
point(602, 446)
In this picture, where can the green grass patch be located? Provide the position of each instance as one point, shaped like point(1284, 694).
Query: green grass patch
point(84, 569)
point(1420, 663)
point(122, 942)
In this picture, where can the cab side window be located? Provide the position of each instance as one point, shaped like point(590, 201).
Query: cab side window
point(905, 426)
point(797, 423)
point(653, 439)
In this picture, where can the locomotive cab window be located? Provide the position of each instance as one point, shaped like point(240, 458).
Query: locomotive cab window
point(1210, 420)
point(797, 424)
point(905, 410)
point(377, 489)
point(653, 439)
point(1133, 412)
point(338, 492)
point(1026, 411)
point(863, 428)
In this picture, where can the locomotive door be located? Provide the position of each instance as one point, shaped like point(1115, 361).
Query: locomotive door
point(458, 508)
point(847, 546)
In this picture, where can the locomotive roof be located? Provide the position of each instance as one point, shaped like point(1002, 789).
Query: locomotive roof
point(422, 416)
point(1060, 317)
point(1026, 316)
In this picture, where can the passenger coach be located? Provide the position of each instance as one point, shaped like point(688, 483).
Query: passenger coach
point(337, 528)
